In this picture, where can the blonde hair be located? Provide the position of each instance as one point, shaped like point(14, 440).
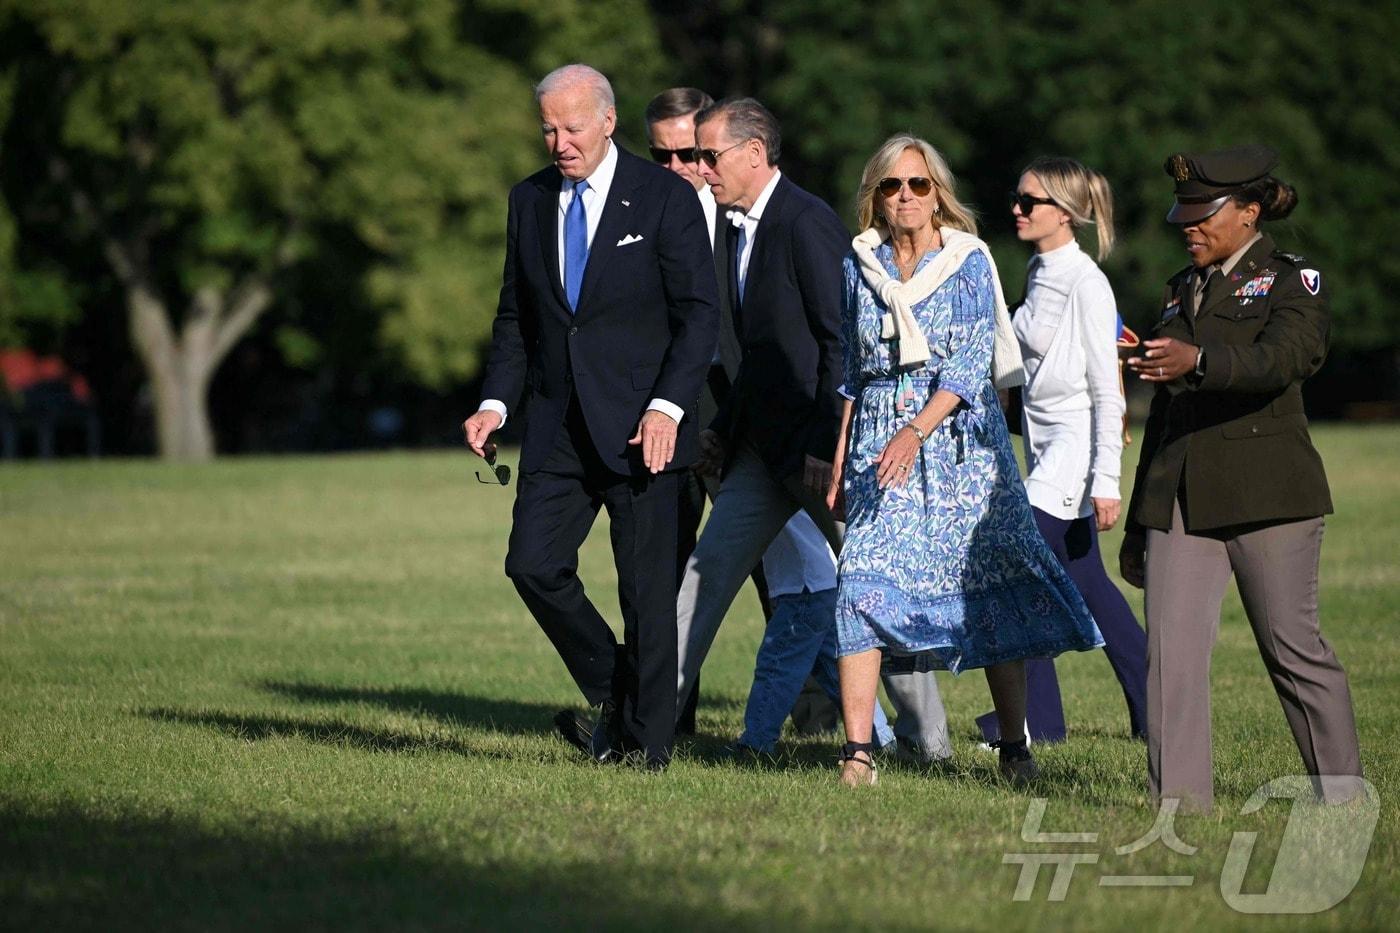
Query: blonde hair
point(1083, 193)
point(951, 212)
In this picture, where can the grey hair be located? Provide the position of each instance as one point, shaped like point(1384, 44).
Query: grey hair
point(576, 75)
point(746, 119)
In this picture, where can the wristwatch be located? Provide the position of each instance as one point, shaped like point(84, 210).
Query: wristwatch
point(917, 433)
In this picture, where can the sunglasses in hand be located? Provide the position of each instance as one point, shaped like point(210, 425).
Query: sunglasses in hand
point(501, 472)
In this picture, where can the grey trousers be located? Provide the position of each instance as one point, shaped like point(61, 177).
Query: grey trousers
point(1275, 569)
point(751, 508)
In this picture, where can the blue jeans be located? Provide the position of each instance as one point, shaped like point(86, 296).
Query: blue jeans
point(800, 640)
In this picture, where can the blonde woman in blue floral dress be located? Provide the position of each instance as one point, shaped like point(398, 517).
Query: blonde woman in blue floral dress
point(942, 558)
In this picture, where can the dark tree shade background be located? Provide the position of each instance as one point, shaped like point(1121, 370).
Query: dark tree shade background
point(346, 164)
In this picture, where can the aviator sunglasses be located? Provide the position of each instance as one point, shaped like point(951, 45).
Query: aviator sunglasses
point(918, 186)
point(1026, 202)
point(502, 472)
point(663, 156)
point(711, 156)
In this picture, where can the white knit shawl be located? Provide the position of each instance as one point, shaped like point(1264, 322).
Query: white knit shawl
point(900, 297)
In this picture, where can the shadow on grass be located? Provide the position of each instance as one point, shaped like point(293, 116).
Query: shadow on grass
point(514, 717)
point(63, 868)
point(254, 727)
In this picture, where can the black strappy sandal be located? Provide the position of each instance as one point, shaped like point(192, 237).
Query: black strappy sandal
point(850, 750)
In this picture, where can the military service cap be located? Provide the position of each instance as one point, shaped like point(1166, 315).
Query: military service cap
point(1205, 181)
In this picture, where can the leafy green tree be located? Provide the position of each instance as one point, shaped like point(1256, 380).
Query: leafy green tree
point(1119, 84)
point(205, 148)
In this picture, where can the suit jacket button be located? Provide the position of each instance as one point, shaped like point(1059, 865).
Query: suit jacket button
point(1254, 429)
point(573, 330)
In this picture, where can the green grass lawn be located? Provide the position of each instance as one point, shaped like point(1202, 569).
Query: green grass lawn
point(300, 692)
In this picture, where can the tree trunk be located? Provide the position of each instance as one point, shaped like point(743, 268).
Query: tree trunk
point(180, 368)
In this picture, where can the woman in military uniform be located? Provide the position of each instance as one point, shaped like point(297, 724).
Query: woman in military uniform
point(1229, 481)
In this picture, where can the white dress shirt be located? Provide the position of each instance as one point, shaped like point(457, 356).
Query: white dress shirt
point(599, 184)
point(1073, 420)
point(708, 205)
point(594, 198)
point(749, 222)
point(799, 558)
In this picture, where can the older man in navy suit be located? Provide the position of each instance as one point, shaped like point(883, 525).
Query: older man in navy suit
point(608, 320)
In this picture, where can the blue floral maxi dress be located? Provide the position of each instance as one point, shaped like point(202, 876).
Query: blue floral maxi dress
point(951, 563)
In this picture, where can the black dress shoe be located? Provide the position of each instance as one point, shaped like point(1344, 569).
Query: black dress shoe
point(574, 729)
point(605, 744)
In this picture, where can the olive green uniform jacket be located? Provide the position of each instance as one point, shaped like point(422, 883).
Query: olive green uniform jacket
point(1234, 442)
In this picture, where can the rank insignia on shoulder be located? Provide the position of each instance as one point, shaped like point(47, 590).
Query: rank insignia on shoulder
point(1290, 257)
point(1312, 280)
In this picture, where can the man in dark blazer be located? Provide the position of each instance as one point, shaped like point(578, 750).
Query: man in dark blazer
point(670, 122)
point(774, 435)
point(1229, 483)
point(608, 320)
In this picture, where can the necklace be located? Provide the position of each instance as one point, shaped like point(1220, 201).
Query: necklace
point(907, 267)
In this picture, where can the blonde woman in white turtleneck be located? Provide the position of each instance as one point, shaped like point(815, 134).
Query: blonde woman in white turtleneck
point(1072, 418)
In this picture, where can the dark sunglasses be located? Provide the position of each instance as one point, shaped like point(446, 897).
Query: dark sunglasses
point(663, 156)
point(711, 157)
point(1026, 202)
point(918, 186)
point(502, 472)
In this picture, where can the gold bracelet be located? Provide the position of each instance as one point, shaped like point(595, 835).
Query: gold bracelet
point(917, 433)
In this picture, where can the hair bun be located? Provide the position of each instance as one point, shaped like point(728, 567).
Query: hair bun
point(1280, 198)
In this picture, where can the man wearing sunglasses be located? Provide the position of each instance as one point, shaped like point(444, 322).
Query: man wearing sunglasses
point(607, 317)
point(670, 122)
point(774, 434)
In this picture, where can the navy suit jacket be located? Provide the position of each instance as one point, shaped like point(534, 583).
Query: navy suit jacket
point(784, 402)
point(646, 324)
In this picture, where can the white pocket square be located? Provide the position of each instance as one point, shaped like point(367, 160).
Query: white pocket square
point(630, 239)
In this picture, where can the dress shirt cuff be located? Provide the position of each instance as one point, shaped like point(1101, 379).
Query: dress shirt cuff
point(1103, 486)
point(675, 412)
point(496, 405)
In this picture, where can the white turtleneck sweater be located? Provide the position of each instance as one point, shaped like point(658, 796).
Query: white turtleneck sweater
point(1073, 407)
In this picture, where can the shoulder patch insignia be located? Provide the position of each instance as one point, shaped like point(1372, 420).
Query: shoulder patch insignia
point(1312, 280)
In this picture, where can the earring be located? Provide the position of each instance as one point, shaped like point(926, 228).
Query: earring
point(938, 208)
point(1248, 223)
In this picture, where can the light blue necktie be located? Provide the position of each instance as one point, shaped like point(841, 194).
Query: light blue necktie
point(575, 245)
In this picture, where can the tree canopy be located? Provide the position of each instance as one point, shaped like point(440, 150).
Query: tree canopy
point(345, 165)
